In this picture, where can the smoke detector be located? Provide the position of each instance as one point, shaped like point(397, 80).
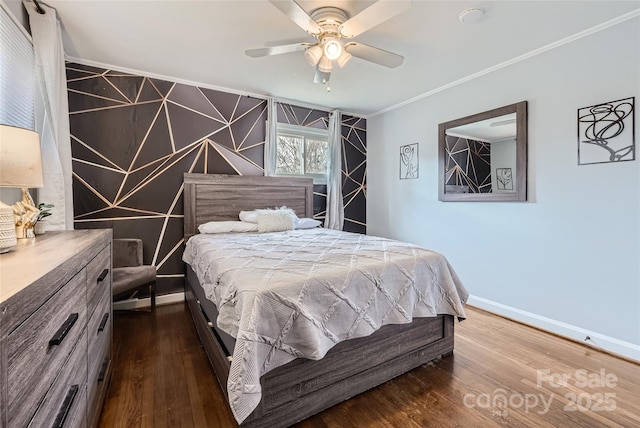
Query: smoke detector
point(471, 15)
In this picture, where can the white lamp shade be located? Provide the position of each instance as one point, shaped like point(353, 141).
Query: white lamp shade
point(20, 160)
point(332, 48)
point(313, 55)
point(325, 65)
point(343, 59)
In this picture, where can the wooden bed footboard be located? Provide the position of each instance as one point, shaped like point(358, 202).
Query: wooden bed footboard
point(304, 387)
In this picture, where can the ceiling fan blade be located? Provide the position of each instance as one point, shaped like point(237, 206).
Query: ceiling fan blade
point(379, 56)
point(298, 15)
point(276, 50)
point(375, 14)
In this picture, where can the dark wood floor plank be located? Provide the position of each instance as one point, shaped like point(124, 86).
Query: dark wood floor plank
point(162, 378)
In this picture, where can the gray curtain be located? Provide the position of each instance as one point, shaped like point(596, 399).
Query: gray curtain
point(270, 141)
point(335, 209)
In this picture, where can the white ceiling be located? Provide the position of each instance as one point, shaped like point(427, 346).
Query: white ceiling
point(494, 130)
point(204, 42)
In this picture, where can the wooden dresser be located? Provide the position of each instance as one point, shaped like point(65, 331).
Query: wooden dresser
point(55, 329)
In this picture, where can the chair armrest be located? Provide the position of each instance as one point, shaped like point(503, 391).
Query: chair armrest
point(127, 252)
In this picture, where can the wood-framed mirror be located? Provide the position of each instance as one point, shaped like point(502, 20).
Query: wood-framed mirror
point(483, 157)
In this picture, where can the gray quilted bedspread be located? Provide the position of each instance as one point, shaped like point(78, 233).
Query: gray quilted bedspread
point(298, 293)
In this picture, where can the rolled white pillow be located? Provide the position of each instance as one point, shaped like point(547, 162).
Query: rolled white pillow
point(249, 216)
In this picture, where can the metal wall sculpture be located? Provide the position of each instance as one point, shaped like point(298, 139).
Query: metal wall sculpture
point(606, 132)
point(409, 161)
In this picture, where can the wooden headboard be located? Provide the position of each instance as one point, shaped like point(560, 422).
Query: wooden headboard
point(214, 197)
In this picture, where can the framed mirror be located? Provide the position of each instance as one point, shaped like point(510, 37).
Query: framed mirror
point(483, 157)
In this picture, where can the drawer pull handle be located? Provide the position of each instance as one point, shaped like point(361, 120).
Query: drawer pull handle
point(103, 369)
point(103, 275)
point(63, 330)
point(103, 323)
point(66, 406)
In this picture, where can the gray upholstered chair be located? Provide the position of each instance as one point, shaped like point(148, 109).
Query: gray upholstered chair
point(129, 272)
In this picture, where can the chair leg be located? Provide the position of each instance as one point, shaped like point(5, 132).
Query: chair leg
point(152, 296)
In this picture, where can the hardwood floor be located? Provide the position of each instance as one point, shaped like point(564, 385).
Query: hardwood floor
point(502, 374)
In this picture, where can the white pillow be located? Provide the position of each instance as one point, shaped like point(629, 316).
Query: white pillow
point(274, 221)
point(249, 216)
point(307, 223)
point(252, 216)
point(227, 227)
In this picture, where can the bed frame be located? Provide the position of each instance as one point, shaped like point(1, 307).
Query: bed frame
point(301, 388)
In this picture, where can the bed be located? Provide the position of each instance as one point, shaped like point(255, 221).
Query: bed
point(301, 387)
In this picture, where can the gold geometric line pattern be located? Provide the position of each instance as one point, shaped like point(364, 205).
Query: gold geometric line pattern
point(198, 112)
point(116, 88)
point(209, 101)
point(169, 254)
point(144, 139)
point(162, 231)
point(77, 112)
point(100, 97)
point(94, 191)
point(468, 164)
point(157, 172)
point(129, 155)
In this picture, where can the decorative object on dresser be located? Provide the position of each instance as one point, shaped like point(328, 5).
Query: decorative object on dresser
point(45, 211)
point(129, 272)
point(55, 329)
point(20, 166)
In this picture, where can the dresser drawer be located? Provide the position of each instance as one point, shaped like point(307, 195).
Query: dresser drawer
point(97, 388)
point(98, 277)
point(66, 401)
point(99, 331)
point(37, 349)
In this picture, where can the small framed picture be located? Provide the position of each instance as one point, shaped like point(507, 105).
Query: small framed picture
point(409, 161)
point(504, 179)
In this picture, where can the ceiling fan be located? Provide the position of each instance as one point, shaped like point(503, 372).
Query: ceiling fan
point(333, 28)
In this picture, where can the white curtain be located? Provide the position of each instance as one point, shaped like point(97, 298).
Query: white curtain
point(335, 209)
point(272, 134)
point(52, 123)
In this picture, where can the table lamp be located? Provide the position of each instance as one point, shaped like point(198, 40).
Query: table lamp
point(20, 166)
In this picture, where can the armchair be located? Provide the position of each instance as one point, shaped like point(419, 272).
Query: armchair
point(129, 272)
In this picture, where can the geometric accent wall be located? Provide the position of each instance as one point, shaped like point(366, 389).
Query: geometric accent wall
point(133, 137)
point(354, 163)
point(468, 165)
point(354, 173)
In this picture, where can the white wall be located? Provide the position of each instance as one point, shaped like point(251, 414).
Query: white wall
point(568, 259)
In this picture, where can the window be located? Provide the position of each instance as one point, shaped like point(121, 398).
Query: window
point(17, 78)
point(302, 151)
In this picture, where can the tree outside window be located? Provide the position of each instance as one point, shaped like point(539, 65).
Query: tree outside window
point(302, 151)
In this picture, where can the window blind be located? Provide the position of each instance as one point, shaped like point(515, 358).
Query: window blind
point(17, 75)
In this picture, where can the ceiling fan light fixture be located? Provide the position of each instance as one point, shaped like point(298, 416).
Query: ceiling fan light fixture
point(321, 77)
point(332, 48)
point(343, 59)
point(325, 65)
point(313, 55)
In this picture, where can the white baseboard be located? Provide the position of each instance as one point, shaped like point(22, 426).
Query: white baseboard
point(597, 340)
point(164, 299)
